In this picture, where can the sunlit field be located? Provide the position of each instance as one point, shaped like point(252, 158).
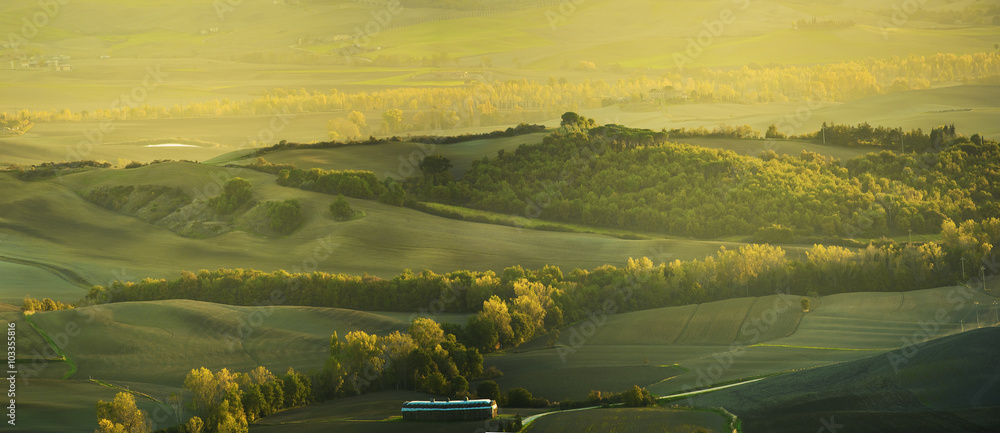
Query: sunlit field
point(685, 216)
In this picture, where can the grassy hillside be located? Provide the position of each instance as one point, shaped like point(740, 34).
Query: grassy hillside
point(48, 222)
point(898, 391)
point(396, 160)
point(633, 420)
point(727, 340)
point(159, 342)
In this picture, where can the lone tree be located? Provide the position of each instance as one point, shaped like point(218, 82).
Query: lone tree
point(571, 119)
point(488, 389)
point(436, 167)
point(637, 397)
point(805, 304)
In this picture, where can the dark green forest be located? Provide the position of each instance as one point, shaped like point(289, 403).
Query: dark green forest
point(617, 177)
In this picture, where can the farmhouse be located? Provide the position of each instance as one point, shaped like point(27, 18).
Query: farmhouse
point(446, 410)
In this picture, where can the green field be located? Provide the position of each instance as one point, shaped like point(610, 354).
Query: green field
point(740, 335)
point(909, 381)
point(156, 343)
point(384, 243)
point(631, 420)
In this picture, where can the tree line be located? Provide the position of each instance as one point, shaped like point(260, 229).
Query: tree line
point(515, 101)
point(519, 304)
point(424, 358)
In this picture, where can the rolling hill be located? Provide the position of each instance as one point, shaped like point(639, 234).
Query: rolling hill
point(48, 222)
point(946, 384)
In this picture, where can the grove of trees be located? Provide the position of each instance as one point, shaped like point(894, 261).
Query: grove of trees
point(612, 176)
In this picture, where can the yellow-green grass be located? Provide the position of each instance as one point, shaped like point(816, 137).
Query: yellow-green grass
point(30, 345)
point(885, 320)
point(51, 405)
point(631, 420)
point(729, 340)
point(397, 159)
point(20, 281)
point(716, 322)
point(919, 386)
point(406, 317)
point(47, 221)
point(160, 342)
point(925, 109)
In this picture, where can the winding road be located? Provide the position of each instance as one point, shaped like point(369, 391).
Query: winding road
point(529, 419)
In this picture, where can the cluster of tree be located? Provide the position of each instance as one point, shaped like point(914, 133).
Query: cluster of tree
point(670, 188)
point(514, 101)
point(121, 415)
point(227, 402)
point(46, 304)
point(459, 4)
point(236, 194)
point(514, 397)
point(520, 304)
point(724, 131)
point(520, 129)
point(960, 179)
point(865, 135)
point(262, 165)
point(14, 127)
point(131, 199)
point(975, 13)
point(426, 359)
point(284, 216)
point(822, 24)
point(351, 183)
point(47, 170)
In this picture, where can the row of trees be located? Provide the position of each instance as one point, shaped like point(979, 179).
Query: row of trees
point(46, 304)
point(425, 358)
point(518, 305)
point(515, 101)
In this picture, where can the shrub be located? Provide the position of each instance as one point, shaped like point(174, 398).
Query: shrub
point(341, 209)
point(518, 397)
point(285, 216)
point(637, 397)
